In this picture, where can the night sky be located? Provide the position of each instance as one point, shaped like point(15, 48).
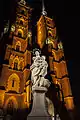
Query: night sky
point(67, 18)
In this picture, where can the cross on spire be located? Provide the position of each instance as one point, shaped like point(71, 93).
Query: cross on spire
point(43, 8)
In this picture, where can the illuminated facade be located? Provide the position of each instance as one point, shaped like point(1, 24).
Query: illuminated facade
point(47, 38)
point(15, 73)
point(15, 82)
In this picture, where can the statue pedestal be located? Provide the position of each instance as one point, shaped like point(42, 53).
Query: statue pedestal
point(39, 109)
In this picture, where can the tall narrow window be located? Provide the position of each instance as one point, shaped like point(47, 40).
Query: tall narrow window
point(21, 22)
point(17, 48)
point(22, 12)
point(15, 65)
point(13, 83)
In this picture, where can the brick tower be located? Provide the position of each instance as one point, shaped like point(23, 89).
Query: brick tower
point(14, 81)
point(52, 47)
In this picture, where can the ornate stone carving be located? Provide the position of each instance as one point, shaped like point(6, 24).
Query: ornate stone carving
point(39, 70)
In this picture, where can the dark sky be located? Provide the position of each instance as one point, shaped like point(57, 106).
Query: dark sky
point(67, 18)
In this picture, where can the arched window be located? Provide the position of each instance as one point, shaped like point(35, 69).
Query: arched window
point(19, 34)
point(16, 64)
point(13, 83)
point(18, 46)
point(11, 105)
point(21, 22)
point(23, 12)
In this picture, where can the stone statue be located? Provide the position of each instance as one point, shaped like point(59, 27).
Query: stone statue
point(39, 70)
point(39, 88)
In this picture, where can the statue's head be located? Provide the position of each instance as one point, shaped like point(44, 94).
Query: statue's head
point(37, 53)
point(37, 59)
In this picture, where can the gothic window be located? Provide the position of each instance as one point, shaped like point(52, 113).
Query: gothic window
point(10, 107)
point(17, 48)
point(21, 22)
point(19, 34)
point(13, 83)
point(22, 12)
point(16, 64)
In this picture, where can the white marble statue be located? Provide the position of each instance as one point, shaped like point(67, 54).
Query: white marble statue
point(39, 70)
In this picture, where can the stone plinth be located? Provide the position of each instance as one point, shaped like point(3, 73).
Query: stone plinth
point(39, 110)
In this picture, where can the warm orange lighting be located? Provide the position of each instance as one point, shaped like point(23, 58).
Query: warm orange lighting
point(13, 100)
point(69, 103)
point(16, 83)
point(16, 75)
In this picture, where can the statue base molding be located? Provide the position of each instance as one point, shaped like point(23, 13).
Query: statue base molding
point(39, 108)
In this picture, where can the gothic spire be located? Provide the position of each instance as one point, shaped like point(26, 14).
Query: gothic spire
point(43, 8)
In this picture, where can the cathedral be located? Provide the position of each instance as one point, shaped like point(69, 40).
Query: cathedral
point(15, 79)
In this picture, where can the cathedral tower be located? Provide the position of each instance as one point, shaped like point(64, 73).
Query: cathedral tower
point(47, 36)
point(15, 79)
point(15, 87)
